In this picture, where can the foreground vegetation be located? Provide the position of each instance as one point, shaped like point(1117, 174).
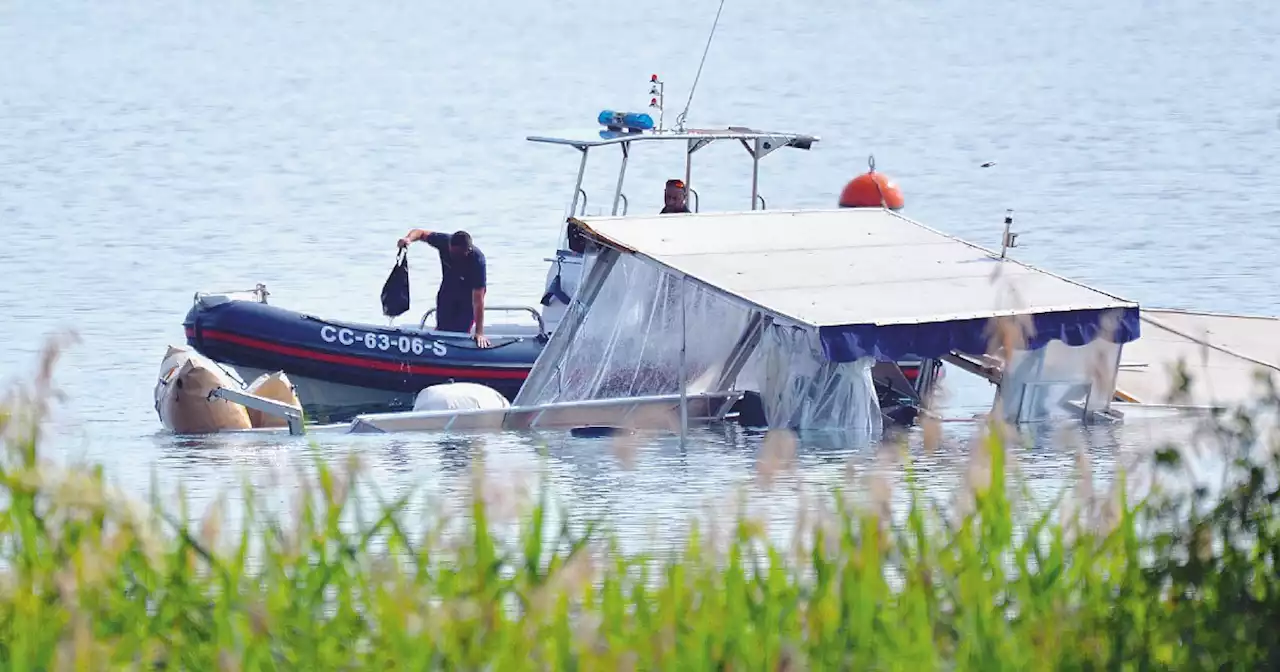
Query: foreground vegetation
point(91, 581)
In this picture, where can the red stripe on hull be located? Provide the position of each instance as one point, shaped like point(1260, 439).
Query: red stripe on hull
point(363, 362)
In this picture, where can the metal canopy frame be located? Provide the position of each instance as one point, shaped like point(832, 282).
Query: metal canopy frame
point(758, 144)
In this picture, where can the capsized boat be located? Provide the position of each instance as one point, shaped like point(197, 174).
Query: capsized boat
point(186, 402)
point(182, 395)
point(809, 349)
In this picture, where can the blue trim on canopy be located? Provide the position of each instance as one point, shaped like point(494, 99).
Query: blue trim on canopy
point(896, 342)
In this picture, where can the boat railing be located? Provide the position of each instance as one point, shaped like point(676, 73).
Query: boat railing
point(501, 308)
point(259, 294)
point(292, 415)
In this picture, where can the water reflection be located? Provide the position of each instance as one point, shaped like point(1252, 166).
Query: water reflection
point(646, 486)
point(398, 457)
point(456, 454)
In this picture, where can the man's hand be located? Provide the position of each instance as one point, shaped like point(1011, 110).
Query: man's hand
point(403, 243)
point(481, 341)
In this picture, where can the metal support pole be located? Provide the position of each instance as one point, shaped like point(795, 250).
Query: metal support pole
point(622, 173)
point(1009, 239)
point(684, 393)
point(688, 165)
point(743, 348)
point(746, 345)
point(755, 173)
point(577, 186)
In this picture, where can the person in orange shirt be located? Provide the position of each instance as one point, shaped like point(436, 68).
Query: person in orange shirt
point(674, 198)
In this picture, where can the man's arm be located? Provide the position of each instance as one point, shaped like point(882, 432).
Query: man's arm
point(477, 304)
point(413, 236)
point(433, 239)
point(478, 289)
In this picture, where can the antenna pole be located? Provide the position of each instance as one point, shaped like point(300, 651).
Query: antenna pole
point(685, 114)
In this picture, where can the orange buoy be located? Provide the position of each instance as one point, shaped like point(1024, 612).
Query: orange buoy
point(871, 190)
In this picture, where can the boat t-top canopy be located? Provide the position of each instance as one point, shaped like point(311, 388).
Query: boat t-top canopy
point(870, 281)
point(696, 138)
point(635, 128)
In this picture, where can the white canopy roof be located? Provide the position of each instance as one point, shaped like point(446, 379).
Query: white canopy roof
point(848, 266)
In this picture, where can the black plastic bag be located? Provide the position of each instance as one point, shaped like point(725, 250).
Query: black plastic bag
point(395, 291)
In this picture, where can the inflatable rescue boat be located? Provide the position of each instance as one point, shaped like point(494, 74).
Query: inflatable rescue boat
point(342, 369)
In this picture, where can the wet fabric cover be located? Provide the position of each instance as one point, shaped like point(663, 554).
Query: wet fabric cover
point(458, 397)
point(395, 291)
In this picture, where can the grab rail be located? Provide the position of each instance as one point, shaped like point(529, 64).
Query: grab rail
point(697, 200)
point(583, 211)
point(259, 293)
point(292, 415)
point(542, 325)
point(625, 204)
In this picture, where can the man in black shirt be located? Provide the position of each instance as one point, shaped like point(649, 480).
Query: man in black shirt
point(460, 299)
point(674, 197)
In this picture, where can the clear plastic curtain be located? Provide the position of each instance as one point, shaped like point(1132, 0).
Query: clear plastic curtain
point(629, 342)
point(800, 389)
point(628, 345)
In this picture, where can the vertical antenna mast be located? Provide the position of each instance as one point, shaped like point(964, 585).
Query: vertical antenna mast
point(684, 115)
point(657, 88)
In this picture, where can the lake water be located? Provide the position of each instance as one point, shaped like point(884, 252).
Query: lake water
point(149, 150)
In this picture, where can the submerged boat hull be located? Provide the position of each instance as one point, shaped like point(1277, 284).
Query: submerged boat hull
point(182, 396)
point(343, 368)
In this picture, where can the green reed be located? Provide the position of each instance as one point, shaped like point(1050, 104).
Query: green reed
point(93, 581)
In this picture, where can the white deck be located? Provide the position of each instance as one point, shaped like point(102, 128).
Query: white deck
point(847, 266)
point(1221, 352)
point(643, 413)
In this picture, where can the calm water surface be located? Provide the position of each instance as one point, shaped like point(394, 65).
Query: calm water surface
point(149, 150)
